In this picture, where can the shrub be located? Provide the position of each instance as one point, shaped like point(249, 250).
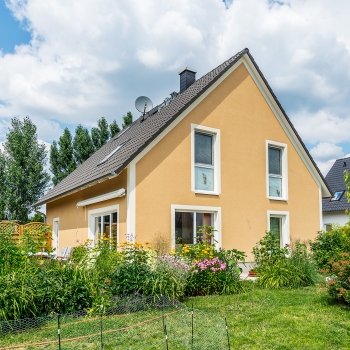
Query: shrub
point(339, 283)
point(169, 276)
point(283, 267)
point(213, 276)
point(330, 245)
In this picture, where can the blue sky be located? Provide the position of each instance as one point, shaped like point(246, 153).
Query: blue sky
point(65, 63)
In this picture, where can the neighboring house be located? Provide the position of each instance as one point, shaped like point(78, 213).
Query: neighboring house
point(334, 208)
point(221, 152)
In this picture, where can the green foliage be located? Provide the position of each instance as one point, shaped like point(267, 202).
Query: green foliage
point(83, 147)
point(114, 128)
point(267, 251)
point(330, 245)
point(22, 169)
point(169, 276)
point(101, 134)
point(339, 282)
point(62, 158)
point(36, 218)
point(127, 119)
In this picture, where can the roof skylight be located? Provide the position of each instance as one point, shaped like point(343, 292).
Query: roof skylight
point(337, 196)
point(113, 152)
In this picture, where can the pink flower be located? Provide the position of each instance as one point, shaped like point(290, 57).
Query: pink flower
point(195, 271)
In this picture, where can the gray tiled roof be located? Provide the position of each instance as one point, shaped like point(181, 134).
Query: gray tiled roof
point(335, 180)
point(140, 134)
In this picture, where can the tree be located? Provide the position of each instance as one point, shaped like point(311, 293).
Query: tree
point(83, 147)
point(2, 186)
point(26, 178)
point(127, 119)
point(101, 134)
point(114, 128)
point(62, 158)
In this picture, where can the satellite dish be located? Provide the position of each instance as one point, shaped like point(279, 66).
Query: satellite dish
point(143, 104)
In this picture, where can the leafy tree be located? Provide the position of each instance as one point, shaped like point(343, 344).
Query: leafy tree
point(83, 147)
point(62, 158)
point(2, 186)
point(127, 120)
point(114, 128)
point(26, 178)
point(101, 134)
point(37, 218)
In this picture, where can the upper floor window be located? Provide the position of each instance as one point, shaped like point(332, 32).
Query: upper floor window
point(205, 160)
point(277, 171)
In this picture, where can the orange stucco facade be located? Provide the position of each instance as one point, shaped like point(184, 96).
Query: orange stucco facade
point(238, 109)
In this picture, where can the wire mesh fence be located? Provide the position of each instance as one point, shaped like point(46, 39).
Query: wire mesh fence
point(142, 323)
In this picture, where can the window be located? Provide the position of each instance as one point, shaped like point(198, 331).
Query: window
point(103, 223)
point(337, 196)
point(277, 171)
point(205, 160)
point(104, 160)
point(328, 227)
point(278, 223)
point(186, 221)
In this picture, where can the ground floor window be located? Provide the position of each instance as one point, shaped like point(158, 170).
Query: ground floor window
point(103, 223)
point(278, 223)
point(187, 220)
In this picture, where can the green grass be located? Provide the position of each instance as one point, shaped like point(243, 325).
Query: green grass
point(304, 318)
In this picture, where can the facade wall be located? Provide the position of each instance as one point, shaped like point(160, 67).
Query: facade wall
point(238, 109)
point(73, 221)
point(334, 217)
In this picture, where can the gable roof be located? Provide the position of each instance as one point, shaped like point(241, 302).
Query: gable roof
point(335, 180)
point(141, 133)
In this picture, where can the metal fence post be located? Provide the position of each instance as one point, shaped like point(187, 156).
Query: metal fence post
point(166, 337)
point(192, 326)
point(101, 326)
point(59, 331)
point(228, 338)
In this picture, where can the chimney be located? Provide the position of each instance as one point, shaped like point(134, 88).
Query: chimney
point(187, 78)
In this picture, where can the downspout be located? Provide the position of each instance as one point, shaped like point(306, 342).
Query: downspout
point(41, 213)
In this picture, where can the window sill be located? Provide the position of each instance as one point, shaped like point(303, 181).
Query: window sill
point(206, 192)
point(278, 199)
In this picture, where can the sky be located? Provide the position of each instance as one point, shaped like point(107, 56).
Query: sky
point(66, 62)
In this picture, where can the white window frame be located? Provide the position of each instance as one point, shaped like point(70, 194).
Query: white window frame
point(101, 211)
point(283, 147)
point(216, 211)
point(284, 215)
point(216, 156)
point(54, 239)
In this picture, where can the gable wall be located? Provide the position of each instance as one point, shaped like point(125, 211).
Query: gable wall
point(72, 217)
point(237, 108)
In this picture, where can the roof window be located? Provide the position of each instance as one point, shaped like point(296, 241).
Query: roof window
point(113, 152)
point(337, 195)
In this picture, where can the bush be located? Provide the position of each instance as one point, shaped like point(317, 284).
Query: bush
point(330, 245)
point(168, 277)
point(339, 282)
point(283, 267)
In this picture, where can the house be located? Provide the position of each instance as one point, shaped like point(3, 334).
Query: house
point(333, 209)
point(221, 152)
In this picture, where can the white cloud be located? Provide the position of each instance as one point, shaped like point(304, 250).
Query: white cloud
point(89, 59)
point(325, 150)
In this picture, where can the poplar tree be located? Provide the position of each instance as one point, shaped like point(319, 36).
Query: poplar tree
point(114, 128)
point(83, 147)
point(101, 134)
point(127, 119)
point(25, 160)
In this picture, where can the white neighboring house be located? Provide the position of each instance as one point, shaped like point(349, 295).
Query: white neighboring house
point(333, 210)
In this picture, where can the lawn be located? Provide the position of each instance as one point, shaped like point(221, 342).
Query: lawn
point(305, 318)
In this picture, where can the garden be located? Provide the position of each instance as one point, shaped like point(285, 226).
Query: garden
point(301, 295)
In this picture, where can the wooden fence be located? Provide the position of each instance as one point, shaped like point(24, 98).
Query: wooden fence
point(36, 229)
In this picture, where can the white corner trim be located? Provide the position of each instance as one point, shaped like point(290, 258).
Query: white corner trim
point(131, 200)
point(195, 208)
point(285, 224)
point(284, 148)
point(217, 158)
point(101, 211)
point(104, 197)
point(285, 125)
